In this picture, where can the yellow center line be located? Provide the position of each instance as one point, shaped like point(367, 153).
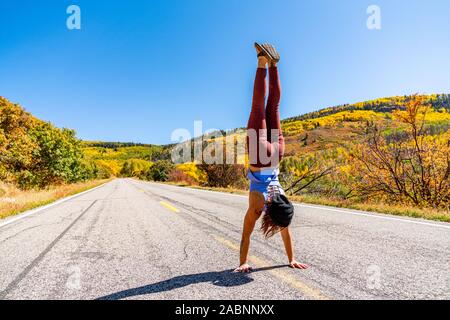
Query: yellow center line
point(169, 206)
point(282, 275)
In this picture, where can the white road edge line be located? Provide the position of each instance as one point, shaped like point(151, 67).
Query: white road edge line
point(39, 209)
point(376, 215)
point(356, 213)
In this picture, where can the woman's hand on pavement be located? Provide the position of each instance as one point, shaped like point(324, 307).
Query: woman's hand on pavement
point(245, 268)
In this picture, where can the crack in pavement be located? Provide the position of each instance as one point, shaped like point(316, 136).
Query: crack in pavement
point(61, 219)
point(39, 258)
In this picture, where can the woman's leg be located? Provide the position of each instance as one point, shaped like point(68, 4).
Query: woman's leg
point(274, 132)
point(257, 119)
point(257, 128)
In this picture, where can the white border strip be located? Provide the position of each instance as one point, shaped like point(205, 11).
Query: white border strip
point(384, 216)
point(57, 202)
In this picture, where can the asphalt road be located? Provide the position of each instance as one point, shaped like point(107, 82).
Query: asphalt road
point(137, 240)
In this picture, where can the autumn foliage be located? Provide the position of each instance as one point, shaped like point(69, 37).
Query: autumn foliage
point(410, 164)
point(34, 153)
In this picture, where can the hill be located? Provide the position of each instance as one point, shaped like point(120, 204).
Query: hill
point(382, 105)
point(389, 150)
point(123, 158)
point(330, 127)
point(325, 131)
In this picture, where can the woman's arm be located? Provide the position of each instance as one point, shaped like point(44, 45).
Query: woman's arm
point(256, 204)
point(287, 240)
point(249, 225)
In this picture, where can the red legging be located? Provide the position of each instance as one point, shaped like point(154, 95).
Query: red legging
point(265, 139)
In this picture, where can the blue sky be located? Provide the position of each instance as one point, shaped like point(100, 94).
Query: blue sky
point(139, 69)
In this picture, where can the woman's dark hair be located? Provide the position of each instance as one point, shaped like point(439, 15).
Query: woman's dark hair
point(278, 215)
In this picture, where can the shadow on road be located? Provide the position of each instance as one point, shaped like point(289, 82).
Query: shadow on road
point(225, 278)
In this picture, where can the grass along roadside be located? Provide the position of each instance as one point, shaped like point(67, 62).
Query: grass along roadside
point(398, 210)
point(14, 201)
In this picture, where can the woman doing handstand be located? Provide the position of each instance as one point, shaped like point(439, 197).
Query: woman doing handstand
point(265, 144)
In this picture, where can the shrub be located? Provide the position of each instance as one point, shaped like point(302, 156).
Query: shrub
point(225, 175)
point(160, 171)
point(191, 170)
point(180, 176)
